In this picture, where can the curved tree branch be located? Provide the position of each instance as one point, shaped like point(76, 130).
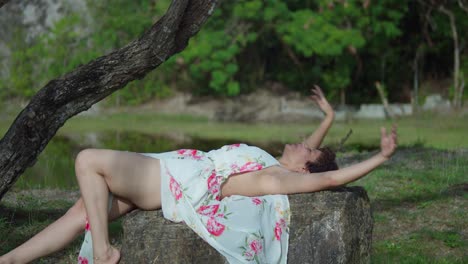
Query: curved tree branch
point(3, 2)
point(79, 89)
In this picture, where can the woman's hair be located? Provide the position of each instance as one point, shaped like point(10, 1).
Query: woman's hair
point(325, 162)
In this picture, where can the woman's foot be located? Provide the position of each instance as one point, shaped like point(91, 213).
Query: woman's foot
point(112, 256)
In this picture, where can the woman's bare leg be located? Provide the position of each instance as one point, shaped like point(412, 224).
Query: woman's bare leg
point(61, 232)
point(130, 175)
point(94, 191)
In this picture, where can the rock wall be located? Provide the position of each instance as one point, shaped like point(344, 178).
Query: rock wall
point(32, 18)
point(326, 227)
point(265, 105)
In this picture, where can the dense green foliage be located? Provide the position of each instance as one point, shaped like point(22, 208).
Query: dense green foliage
point(344, 45)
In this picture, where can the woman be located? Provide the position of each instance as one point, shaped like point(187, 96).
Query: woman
point(150, 182)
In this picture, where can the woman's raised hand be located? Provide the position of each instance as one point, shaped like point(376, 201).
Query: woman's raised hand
point(388, 142)
point(319, 98)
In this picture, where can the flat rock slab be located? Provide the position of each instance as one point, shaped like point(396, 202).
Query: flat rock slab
point(326, 227)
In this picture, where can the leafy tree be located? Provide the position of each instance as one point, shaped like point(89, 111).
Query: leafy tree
point(343, 45)
point(446, 30)
point(79, 89)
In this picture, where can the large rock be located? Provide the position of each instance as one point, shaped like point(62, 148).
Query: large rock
point(326, 227)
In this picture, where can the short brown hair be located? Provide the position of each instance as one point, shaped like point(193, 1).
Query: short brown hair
point(325, 162)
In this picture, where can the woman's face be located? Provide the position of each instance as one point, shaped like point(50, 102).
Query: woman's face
point(298, 154)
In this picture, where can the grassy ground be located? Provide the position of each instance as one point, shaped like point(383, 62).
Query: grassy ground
point(419, 202)
point(419, 198)
point(25, 213)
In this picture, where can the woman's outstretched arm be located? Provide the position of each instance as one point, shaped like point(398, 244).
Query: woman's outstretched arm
point(315, 140)
point(291, 182)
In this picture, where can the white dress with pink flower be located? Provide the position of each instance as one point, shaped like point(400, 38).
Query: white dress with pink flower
point(242, 229)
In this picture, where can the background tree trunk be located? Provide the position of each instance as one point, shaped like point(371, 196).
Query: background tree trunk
point(79, 89)
point(415, 94)
point(457, 96)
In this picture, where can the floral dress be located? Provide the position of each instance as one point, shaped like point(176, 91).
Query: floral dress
point(242, 229)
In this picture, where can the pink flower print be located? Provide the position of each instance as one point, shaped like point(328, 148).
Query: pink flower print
point(214, 228)
point(208, 210)
point(282, 223)
point(82, 260)
point(278, 231)
point(248, 254)
point(251, 166)
point(256, 201)
point(87, 227)
point(175, 189)
point(233, 146)
point(193, 153)
point(182, 152)
point(256, 246)
point(214, 184)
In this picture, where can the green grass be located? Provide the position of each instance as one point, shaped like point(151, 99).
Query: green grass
point(439, 132)
point(443, 132)
point(29, 215)
point(419, 202)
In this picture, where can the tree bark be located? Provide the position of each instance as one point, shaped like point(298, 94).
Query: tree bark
point(79, 89)
point(3, 2)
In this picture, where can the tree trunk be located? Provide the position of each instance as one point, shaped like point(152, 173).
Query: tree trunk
point(457, 96)
point(79, 89)
point(415, 97)
point(342, 97)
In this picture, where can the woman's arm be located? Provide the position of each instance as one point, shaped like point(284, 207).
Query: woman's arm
point(315, 140)
point(291, 182)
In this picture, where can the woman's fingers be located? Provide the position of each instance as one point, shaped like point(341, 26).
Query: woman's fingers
point(383, 132)
point(319, 90)
point(314, 97)
point(388, 142)
point(394, 134)
point(314, 92)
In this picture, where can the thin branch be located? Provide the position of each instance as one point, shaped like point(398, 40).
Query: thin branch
point(461, 4)
point(343, 141)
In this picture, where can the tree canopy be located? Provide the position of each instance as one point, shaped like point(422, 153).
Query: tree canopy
point(344, 45)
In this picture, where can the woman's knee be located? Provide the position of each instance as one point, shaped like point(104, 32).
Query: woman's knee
point(85, 160)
